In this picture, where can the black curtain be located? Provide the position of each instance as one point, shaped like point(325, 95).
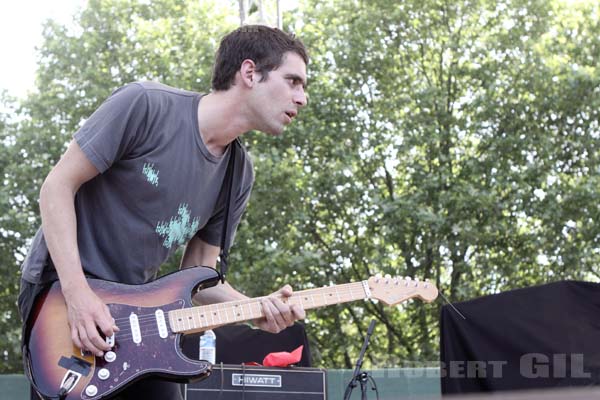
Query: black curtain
point(537, 337)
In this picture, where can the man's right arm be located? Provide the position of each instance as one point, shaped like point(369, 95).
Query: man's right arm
point(86, 311)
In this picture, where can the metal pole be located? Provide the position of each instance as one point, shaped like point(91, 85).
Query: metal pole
point(242, 4)
point(279, 15)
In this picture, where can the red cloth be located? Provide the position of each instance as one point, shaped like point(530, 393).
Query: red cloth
point(283, 358)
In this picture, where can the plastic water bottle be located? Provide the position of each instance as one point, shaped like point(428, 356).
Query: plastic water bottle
point(208, 346)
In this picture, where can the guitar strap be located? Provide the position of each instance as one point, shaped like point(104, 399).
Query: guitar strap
point(230, 177)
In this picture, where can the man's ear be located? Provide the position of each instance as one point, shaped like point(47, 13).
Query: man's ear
point(248, 73)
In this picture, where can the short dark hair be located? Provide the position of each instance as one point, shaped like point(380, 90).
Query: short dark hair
point(262, 44)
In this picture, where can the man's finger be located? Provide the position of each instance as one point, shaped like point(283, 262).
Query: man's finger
point(273, 316)
point(284, 311)
point(94, 336)
point(87, 342)
point(268, 313)
point(107, 325)
point(283, 314)
point(298, 311)
point(286, 291)
point(75, 337)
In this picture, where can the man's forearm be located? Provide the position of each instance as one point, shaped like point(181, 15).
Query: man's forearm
point(218, 294)
point(60, 232)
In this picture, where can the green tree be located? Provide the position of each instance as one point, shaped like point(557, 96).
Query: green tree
point(112, 42)
point(455, 141)
point(450, 141)
point(12, 225)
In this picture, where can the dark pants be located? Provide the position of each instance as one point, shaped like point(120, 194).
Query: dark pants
point(153, 389)
point(150, 388)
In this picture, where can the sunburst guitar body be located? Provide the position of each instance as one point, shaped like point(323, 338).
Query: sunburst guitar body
point(152, 319)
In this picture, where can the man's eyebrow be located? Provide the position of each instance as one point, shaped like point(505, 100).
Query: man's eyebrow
point(297, 77)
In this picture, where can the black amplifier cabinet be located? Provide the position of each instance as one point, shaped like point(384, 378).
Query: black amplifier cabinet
point(233, 382)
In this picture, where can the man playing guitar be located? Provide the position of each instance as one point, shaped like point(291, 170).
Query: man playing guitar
point(144, 175)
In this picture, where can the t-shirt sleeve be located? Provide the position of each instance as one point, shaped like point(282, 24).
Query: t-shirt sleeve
point(212, 231)
point(112, 131)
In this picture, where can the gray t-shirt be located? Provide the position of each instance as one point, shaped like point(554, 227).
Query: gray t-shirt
point(158, 186)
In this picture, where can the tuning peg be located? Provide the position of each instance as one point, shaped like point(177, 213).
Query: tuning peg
point(416, 282)
point(407, 281)
point(396, 281)
point(387, 278)
point(426, 285)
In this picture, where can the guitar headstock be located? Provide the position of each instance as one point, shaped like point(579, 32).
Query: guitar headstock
point(394, 290)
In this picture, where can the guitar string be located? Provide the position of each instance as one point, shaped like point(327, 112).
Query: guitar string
point(147, 321)
point(339, 290)
point(150, 318)
point(223, 307)
point(220, 308)
point(126, 334)
point(144, 319)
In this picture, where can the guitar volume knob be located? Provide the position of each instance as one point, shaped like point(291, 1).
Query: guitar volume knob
point(103, 374)
point(91, 390)
point(110, 356)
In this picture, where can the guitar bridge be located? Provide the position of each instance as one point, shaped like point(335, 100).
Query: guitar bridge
point(76, 368)
point(69, 381)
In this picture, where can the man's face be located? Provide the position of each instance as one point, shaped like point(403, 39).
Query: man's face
point(277, 100)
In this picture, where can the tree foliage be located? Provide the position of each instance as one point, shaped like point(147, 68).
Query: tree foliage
point(111, 43)
point(454, 141)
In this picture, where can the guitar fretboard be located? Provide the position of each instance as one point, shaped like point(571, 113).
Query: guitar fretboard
point(202, 318)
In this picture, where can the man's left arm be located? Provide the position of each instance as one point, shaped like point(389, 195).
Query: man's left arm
point(278, 315)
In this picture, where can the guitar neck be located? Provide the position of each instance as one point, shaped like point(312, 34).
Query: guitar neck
point(202, 318)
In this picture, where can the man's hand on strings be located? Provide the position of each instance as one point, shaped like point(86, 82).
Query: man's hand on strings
point(279, 314)
point(87, 313)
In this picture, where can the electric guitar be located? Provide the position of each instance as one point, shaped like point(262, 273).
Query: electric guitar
point(152, 318)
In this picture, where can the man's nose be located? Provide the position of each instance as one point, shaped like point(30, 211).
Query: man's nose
point(301, 98)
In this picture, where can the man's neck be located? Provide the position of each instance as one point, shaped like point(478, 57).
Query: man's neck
point(221, 119)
